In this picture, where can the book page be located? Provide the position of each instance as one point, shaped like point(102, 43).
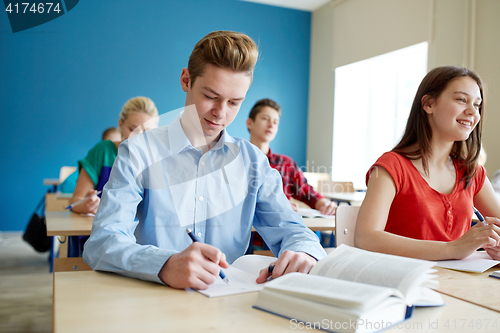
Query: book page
point(330, 291)
point(240, 282)
point(477, 262)
point(241, 275)
point(353, 264)
point(253, 264)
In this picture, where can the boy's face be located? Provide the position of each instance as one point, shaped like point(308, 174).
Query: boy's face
point(265, 126)
point(217, 95)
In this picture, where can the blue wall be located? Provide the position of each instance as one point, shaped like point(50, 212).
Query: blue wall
point(62, 83)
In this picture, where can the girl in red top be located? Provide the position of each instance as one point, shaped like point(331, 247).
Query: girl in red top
point(420, 195)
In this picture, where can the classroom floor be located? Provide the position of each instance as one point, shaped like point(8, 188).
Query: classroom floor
point(25, 287)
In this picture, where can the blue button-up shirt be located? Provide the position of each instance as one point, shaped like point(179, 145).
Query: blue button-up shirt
point(160, 185)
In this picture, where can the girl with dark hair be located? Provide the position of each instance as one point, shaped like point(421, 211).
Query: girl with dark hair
point(420, 195)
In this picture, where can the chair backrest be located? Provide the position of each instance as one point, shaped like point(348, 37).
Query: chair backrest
point(345, 223)
point(65, 172)
point(313, 178)
point(330, 186)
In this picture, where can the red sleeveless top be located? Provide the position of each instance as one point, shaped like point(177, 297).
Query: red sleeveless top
point(420, 212)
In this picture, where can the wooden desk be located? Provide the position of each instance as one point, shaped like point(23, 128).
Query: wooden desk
point(353, 198)
point(65, 223)
point(54, 182)
point(475, 288)
point(68, 224)
point(56, 203)
point(320, 223)
point(73, 224)
point(51, 181)
point(92, 302)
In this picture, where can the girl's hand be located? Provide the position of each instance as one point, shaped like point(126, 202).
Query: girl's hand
point(91, 204)
point(485, 236)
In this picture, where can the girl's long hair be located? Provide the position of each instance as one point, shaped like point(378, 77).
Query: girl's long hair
point(418, 130)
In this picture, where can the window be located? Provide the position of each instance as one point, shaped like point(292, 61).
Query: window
point(373, 98)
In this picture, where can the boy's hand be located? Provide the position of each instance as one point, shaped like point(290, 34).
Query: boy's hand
point(288, 262)
point(326, 206)
point(196, 267)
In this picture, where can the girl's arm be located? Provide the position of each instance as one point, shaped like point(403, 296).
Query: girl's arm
point(486, 201)
point(372, 218)
point(85, 187)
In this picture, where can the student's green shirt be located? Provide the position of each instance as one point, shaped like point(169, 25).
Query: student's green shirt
point(98, 162)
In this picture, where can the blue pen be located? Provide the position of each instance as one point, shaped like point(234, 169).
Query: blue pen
point(83, 200)
point(195, 239)
point(479, 216)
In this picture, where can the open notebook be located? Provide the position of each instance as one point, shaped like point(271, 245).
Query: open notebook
point(241, 275)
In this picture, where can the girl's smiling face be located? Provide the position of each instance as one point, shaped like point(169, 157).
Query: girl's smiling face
point(456, 112)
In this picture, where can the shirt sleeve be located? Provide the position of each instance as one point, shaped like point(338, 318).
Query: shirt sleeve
point(391, 163)
point(112, 244)
point(95, 160)
point(281, 228)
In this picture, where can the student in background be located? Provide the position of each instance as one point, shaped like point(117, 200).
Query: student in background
point(193, 174)
point(420, 195)
point(138, 114)
point(262, 123)
point(96, 167)
point(112, 134)
point(68, 185)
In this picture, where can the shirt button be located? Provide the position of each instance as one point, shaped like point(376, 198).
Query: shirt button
point(202, 163)
point(201, 198)
point(199, 234)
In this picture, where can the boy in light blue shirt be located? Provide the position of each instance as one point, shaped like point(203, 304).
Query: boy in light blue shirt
point(193, 174)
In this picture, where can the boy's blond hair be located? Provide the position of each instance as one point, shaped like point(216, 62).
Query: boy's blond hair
point(224, 49)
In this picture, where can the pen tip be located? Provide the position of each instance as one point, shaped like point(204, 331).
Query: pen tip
point(188, 230)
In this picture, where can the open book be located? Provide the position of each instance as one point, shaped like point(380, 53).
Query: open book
point(241, 275)
point(351, 288)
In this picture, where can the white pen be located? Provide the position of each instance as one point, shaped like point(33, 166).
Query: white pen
point(83, 200)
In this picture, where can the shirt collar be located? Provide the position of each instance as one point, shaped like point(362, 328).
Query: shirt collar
point(179, 141)
point(270, 154)
point(225, 138)
point(176, 136)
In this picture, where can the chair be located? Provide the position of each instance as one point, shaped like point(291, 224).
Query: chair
point(345, 223)
point(313, 178)
point(65, 172)
point(330, 186)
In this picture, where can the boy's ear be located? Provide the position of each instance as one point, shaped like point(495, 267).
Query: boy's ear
point(185, 79)
point(427, 104)
point(249, 123)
